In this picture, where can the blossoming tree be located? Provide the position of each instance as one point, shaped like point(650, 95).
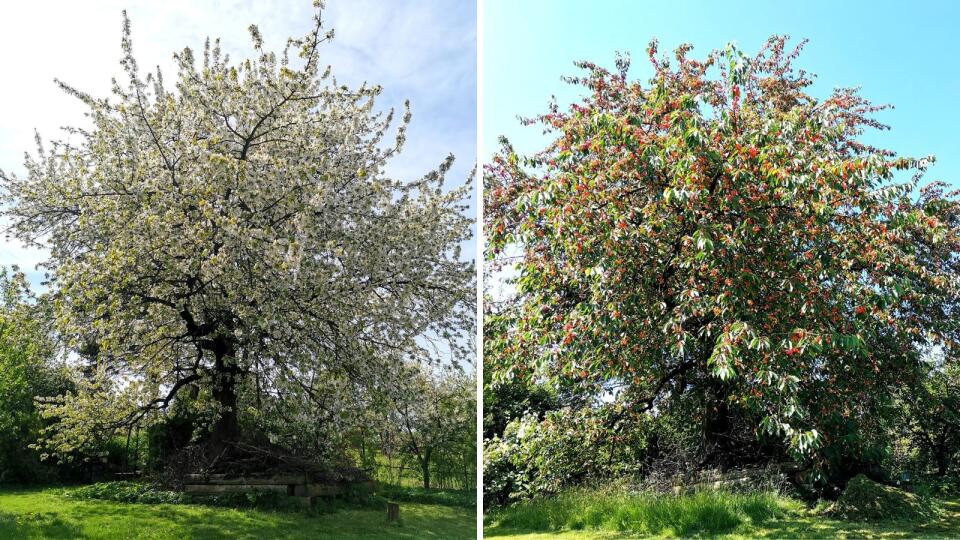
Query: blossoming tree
point(237, 229)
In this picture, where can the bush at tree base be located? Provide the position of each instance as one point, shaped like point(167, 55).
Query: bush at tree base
point(866, 500)
point(543, 452)
point(568, 447)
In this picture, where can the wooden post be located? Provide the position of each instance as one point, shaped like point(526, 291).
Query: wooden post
point(393, 512)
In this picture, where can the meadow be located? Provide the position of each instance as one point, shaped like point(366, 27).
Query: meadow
point(597, 515)
point(36, 513)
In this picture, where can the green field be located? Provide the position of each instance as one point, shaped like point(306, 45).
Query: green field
point(791, 519)
point(45, 513)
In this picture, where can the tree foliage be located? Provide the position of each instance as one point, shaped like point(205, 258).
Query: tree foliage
point(933, 415)
point(721, 229)
point(236, 231)
point(435, 414)
point(534, 456)
point(27, 372)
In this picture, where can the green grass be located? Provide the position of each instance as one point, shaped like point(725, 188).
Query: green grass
point(46, 513)
point(463, 498)
point(706, 512)
point(592, 515)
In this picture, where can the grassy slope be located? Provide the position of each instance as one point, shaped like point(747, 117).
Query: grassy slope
point(37, 513)
point(796, 522)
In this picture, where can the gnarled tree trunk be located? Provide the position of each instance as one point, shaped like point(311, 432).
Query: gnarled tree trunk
point(228, 374)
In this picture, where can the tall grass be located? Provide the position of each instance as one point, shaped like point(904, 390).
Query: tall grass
point(699, 513)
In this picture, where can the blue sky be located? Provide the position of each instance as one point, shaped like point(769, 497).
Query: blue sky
point(902, 53)
point(422, 50)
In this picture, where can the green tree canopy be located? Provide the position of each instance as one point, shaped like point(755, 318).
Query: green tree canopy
point(721, 230)
point(27, 372)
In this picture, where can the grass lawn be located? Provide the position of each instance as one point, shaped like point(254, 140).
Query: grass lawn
point(43, 513)
point(792, 521)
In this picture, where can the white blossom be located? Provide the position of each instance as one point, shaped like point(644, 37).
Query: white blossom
point(239, 223)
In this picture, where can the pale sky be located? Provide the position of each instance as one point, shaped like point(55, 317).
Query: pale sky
point(422, 50)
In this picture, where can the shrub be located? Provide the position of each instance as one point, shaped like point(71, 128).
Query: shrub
point(568, 447)
point(128, 492)
point(260, 499)
point(866, 500)
point(150, 493)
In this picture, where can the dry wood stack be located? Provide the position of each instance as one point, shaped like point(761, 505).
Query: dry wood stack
point(294, 485)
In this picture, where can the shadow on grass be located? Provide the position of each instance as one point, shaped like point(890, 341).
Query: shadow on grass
point(42, 525)
point(120, 520)
point(46, 514)
point(947, 525)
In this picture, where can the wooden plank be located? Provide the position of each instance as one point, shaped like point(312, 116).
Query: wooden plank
point(322, 490)
point(221, 479)
point(305, 501)
point(233, 488)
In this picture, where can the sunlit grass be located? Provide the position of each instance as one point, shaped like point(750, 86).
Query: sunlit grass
point(602, 515)
point(706, 512)
point(36, 513)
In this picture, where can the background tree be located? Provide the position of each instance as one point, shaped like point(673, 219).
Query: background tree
point(237, 231)
point(513, 398)
point(934, 421)
point(27, 371)
point(721, 232)
point(436, 417)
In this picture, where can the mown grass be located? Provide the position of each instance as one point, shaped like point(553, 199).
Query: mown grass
point(605, 515)
point(47, 513)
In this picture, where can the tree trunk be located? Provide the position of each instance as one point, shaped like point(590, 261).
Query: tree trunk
point(227, 427)
point(425, 465)
point(942, 460)
point(717, 427)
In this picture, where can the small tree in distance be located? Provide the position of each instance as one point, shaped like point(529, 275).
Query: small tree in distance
point(720, 231)
point(237, 231)
point(435, 414)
